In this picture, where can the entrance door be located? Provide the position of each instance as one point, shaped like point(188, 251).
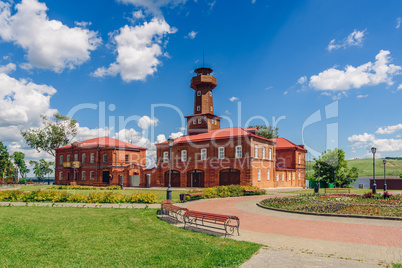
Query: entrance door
point(135, 180)
point(229, 177)
point(174, 180)
point(195, 178)
point(105, 176)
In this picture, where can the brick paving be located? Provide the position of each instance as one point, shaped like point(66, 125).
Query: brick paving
point(371, 241)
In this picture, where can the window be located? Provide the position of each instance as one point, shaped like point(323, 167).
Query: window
point(270, 154)
point(61, 159)
point(203, 154)
point(293, 176)
point(83, 176)
point(238, 151)
point(299, 159)
point(75, 157)
point(183, 155)
point(212, 121)
point(255, 151)
point(199, 121)
point(165, 156)
point(126, 158)
point(299, 176)
point(263, 152)
point(289, 178)
point(283, 176)
point(92, 175)
point(199, 93)
point(84, 158)
point(277, 177)
point(259, 175)
point(194, 121)
point(268, 175)
point(221, 152)
point(210, 93)
point(60, 175)
point(104, 158)
point(92, 158)
point(211, 109)
point(198, 107)
point(216, 122)
point(68, 158)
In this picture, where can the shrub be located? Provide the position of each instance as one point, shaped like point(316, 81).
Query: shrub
point(21, 181)
point(386, 194)
point(400, 175)
point(114, 187)
point(368, 195)
point(228, 191)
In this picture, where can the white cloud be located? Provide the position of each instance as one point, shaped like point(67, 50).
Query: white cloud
point(285, 92)
point(138, 14)
point(49, 43)
point(368, 74)
point(382, 145)
point(302, 80)
point(191, 35)
point(211, 5)
point(233, 98)
point(227, 112)
point(353, 39)
point(6, 69)
point(145, 122)
point(362, 96)
point(176, 135)
point(83, 24)
point(268, 88)
point(398, 22)
point(160, 138)
point(138, 49)
point(253, 1)
point(389, 129)
point(154, 6)
point(399, 87)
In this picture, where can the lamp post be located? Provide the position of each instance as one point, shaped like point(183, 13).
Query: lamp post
point(121, 181)
point(373, 150)
point(385, 182)
point(169, 190)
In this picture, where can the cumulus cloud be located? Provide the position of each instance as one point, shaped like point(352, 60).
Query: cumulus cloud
point(353, 39)
point(389, 129)
point(398, 22)
point(49, 43)
point(368, 74)
point(145, 122)
point(138, 50)
point(6, 69)
point(138, 14)
point(233, 98)
point(191, 35)
point(383, 145)
point(153, 6)
point(302, 80)
point(399, 87)
point(362, 96)
point(176, 135)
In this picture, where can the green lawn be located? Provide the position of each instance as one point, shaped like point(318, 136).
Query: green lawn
point(89, 237)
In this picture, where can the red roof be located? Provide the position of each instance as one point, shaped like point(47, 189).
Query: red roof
point(282, 143)
point(103, 142)
point(217, 134)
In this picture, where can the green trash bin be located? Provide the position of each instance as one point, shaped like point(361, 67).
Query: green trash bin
point(331, 185)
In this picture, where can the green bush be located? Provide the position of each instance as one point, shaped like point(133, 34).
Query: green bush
point(400, 175)
point(114, 187)
point(228, 191)
point(68, 187)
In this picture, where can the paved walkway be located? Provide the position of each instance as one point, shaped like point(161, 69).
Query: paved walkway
point(372, 242)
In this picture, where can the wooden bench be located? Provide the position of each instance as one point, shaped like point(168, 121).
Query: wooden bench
point(337, 189)
point(228, 223)
point(249, 192)
point(195, 195)
point(169, 209)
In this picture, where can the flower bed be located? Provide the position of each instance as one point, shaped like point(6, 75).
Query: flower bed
point(58, 196)
point(338, 204)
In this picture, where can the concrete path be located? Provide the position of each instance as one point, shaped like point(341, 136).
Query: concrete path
point(301, 238)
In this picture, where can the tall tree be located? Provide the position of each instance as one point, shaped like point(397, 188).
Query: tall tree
point(41, 168)
point(19, 161)
point(6, 166)
point(267, 131)
point(57, 131)
point(334, 168)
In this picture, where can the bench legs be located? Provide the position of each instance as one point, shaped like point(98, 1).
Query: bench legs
point(229, 226)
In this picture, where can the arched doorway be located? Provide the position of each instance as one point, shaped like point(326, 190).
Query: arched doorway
point(229, 176)
point(174, 180)
point(195, 178)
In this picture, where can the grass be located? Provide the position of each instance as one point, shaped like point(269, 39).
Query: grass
point(160, 193)
point(89, 237)
point(397, 265)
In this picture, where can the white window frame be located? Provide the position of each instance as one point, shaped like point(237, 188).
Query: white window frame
point(84, 158)
point(293, 175)
point(211, 109)
point(199, 121)
point(165, 156)
point(277, 176)
point(183, 155)
point(61, 159)
point(259, 175)
point(289, 177)
point(299, 159)
point(75, 157)
point(203, 154)
point(60, 175)
point(83, 176)
point(194, 121)
point(210, 93)
point(299, 175)
point(199, 93)
point(221, 152)
point(104, 158)
point(283, 176)
point(239, 153)
point(263, 152)
point(255, 151)
point(92, 158)
point(270, 154)
point(91, 175)
point(268, 174)
point(68, 158)
point(198, 108)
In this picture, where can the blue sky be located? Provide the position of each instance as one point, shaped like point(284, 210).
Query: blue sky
point(329, 72)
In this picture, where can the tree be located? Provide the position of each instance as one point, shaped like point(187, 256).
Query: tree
point(6, 166)
point(41, 168)
point(267, 131)
point(56, 132)
point(334, 168)
point(19, 162)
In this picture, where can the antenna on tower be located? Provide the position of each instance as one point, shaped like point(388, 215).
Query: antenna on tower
point(203, 57)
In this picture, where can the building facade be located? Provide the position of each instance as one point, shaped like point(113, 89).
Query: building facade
point(101, 162)
point(210, 156)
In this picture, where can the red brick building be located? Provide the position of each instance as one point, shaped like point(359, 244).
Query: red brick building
point(100, 162)
point(210, 156)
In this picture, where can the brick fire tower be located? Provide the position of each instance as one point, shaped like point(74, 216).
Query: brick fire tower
point(203, 120)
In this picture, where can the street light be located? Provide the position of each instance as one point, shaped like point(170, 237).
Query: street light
point(169, 190)
point(373, 150)
point(385, 182)
point(121, 181)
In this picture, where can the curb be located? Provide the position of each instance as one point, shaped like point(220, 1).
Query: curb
point(332, 214)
